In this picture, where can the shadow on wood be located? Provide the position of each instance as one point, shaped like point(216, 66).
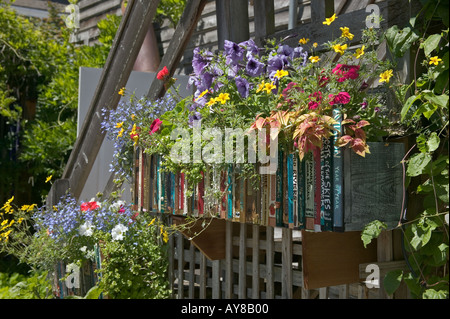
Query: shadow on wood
point(210, 240)
point(331, 259)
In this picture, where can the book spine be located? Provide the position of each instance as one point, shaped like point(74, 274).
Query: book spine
point(230, 192)
point(285, 192)
point(272, 199)
point(317, 191)
point(279, 191)
point(309, 192)
point(295, 190)
point(159, 185)
point(326, 182)
point(172, 191)
point(301, 194)
point(290, 188)
point(338, 198)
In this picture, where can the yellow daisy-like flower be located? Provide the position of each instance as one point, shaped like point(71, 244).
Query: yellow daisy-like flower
point(329, 20)
point(165, 236)
point(386, 75)
point(281, 73)
point(435, 60)
point(268, 87)
point(359, 52)
point(152, 222)
point(340, 48)
point(48, 178)
point(119, 125)
point(211, 101)
point(120, 133)
point(315, 44)
point(260, 87)
point(314, 59)
point(201, 95)
point(122, 91)
point(223, 98)
point(303, 40)
point(346, 33)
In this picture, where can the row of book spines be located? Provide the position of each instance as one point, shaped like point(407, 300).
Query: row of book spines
point(300, 195)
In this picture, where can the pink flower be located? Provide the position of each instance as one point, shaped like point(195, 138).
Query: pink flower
point(162, 74)
point(155, 126)
point(346, 72)
point(340, 98)
point(316, 98)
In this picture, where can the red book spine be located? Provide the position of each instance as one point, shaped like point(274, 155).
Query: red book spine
point(317, 192)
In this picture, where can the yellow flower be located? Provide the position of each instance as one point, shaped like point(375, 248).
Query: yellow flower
point(268, 87)
point(165, 237)
point(151, 223)
point(7, 206)
point(120, 133)
point(281, 73)
point(330, 19)
point(346, 33)
point(359, 52)
point(132, 117)
point(48, 178)
point(122, 91)
point(201, 95)
point(340, 48)
point(314, 59)
point(315, 44)
point(119, 125)
point(435, 60)
point(223, 97)
point(386, 75)
point(303, 40)
point(211, 101)
point(260, 87)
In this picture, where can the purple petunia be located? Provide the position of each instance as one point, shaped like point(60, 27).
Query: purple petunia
point(254, 67)
point(200, 60)
point(234, 51)
point(243, 86)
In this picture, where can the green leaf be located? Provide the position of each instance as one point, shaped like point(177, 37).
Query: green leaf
point(93, 293)
point(433, 142)
point(392, 281)
point(431, 43)
point(417, 164)
point(409, 102)
point(399, 41)
point(435, 294)
point(371, 231)
point(438, 100)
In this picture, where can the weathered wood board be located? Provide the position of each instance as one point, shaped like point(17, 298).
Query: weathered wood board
point(331, 259)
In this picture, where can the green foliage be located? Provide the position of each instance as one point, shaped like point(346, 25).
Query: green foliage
point(371, 231)
point(17, 286)
point(425, 115)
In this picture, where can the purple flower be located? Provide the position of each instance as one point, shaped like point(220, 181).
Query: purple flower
point(196, 116)
point(251, 47)
point(233, 51)
point(254, 67)
point(285, 50)
point(275, 63)
point(242, 86)
point(200, 60)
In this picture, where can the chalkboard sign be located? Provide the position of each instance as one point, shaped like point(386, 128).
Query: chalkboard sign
point(373, 186)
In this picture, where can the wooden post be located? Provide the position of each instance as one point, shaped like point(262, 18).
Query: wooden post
point(270, 292)
point(384, 253)
point(191, 270)
point(286, 257)
point(216, 279)
point(264, 19)
point(242, 291)
point(202, 276)
point(232, 21)
point(180, 253)
point(229, 260)
point(255, 262)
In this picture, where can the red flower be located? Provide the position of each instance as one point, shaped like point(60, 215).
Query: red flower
point(155, 126)
point(346, 72)
point(316, 98)
point(162, 74)
point(89, 206)
point(340, 98)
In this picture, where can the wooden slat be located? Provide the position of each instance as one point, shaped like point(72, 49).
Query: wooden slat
point(191, 270)
point(180, 251)
point(242, 261)
point(216, 279)
point(118, 67)
point(264, 19)
point(286, 257)
point(180, 39)
point(255, 262)
point(203, 276)
point(228, 260)
point(270, 254)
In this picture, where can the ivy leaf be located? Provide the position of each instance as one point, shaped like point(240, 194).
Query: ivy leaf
point(433, 142)
point(371, 231)
point(399, 41)
point(409, 102)
point(435, 294)
point(417, 164)
point(392, 281)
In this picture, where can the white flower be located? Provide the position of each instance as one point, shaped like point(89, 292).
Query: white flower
point(118, 232)
point(117, 205)
point(86, 229)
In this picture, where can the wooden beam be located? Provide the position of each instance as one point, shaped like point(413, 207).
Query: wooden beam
point(232, 21)
point(264, 19)
point(118, 67)
point(180, 39)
